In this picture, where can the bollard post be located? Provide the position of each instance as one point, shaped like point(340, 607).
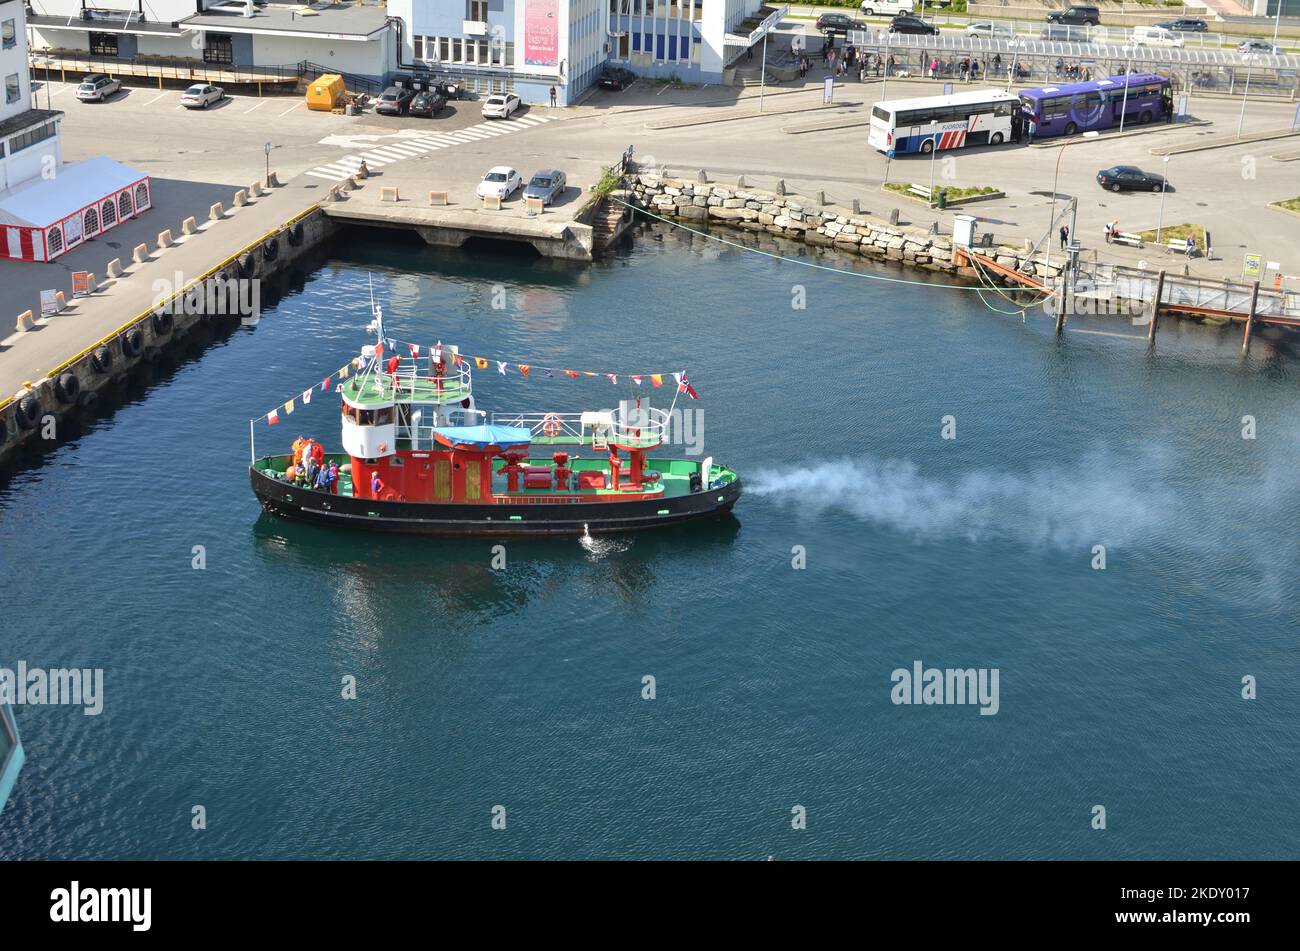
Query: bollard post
point(216, 212)
point(1155, 308)
point(273, 180)
point(140, 254)
point(241, 198)
point(893, 216)
point(165, 238)
point(1250, 318)
point(388, 193)
point(114, 269)
point(189, 226)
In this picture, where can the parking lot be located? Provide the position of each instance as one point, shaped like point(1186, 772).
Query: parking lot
point(148, 128)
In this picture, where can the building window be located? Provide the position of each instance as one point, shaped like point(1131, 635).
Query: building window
point(54, 238)
point(476, 10)
point(141, 197)
point(124, 210)
point(31, 136)
point(91, 222)
point(12, 93)
point(108, 213)
point(103, 44)
point(218, 48)
point(444, 49)
point(8, 35)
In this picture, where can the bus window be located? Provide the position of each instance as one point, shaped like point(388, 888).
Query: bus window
point(884, 115)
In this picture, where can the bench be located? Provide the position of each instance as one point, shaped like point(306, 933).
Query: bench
point(1179, 246)
point(920, 191)
point(1132, 240)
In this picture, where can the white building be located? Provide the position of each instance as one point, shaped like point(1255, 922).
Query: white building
point(233, 41)
point(29, 138)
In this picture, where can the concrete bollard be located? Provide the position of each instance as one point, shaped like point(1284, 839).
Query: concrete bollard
point(216, 212)
point(273, 180)
point(893, 216)
point(362, 172)
point(534, 206)
point(491, 202)
point(740, 181)
point(701, 177)
point(25, 322)
point(165, 239)
point(934, 227)
point(821, 198)
point(857, 207)
point(389, 193)
point(335, 192)
point(355, 180)
point(189, 226)
point(439, 198)
point(255, 189)
point(780, 186)
point(241, 198)
point(140, 254)
point(114, 269)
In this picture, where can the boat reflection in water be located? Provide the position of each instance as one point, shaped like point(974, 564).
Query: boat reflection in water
point(373, 574)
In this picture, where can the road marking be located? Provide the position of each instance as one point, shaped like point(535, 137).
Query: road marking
point(256, 107)
point(156, 98)
point(291, 108)
point(328, 178)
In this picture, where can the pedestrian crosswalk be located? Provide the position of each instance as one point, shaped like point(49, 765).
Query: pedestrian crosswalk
point(399, 149)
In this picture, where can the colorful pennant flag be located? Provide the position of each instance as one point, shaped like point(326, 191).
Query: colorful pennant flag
point(481, 363)
point(306, 396)
point(636, 380)
point(656, 380)
point(273, 417)
point(612, 378)
point(343, 373)
point(325, 385)
point(572, 373)
point(524, 368)
point(501, 367)
point(415, 349)
point(684, 386)
point(288, 407)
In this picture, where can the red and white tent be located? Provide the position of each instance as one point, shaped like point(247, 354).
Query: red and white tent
point(46, 217)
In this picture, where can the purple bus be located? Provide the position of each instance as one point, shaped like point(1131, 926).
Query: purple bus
point(1071, 108)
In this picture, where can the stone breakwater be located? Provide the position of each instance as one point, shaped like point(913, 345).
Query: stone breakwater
point(804, 219)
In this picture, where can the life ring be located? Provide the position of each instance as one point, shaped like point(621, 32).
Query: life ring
point(102, 359)
point(28, 412)
point(132, 343)
point(247, 265)
point(163, 323)
point(67, 387)
point(391, 496)
point(551, 425)
point(294, 234)
point(270, 250)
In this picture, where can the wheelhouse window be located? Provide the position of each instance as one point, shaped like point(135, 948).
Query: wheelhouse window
point(103, 44)
point(219, 48)
point(12, 90)
point(8, 35)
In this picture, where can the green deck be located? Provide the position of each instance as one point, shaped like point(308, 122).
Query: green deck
point(376, 389)
point(674, 475)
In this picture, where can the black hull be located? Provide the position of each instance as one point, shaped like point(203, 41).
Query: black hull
point(419, 518)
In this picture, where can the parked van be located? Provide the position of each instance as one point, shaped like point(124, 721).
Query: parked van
point(887, 8)
point(1155, 36)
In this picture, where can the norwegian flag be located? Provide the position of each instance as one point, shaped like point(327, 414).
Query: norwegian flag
point(684, 386)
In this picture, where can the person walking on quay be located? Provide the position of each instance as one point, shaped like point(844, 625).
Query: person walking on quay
point(552, 97)
point(889, 70)
point(934, 67)
point(1065, 236)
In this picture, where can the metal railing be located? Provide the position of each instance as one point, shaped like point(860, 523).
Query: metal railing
point(638, 427)
point(1121, 282)
point(155, 67)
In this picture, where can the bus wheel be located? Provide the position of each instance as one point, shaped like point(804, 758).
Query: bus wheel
point(996, 138)
point(927, 146)
point(1144, 118)
point(1071, 128)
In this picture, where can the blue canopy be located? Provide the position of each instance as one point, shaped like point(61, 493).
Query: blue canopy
point(483, 438)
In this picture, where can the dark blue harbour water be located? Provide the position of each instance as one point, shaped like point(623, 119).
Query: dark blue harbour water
point(522, 687)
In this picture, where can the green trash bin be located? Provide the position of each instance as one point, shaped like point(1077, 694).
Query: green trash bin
point(943, 198)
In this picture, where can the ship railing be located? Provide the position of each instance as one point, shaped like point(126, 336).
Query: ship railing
point(416, 382)
point(548, 425)
point(638, 427)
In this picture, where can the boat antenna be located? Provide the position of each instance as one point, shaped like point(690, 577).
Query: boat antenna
point(376, 310)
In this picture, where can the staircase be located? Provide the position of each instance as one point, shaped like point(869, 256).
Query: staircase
point(610, 220)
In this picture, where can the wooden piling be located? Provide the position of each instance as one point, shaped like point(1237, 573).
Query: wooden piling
point(1250, 318)
point(1155, 308)
point(1060, 303)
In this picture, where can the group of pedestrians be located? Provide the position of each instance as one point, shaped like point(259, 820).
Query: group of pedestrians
point(307, 466)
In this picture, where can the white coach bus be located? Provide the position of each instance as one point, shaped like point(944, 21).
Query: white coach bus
point(978, 117)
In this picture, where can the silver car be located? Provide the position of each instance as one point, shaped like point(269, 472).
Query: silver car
point(548, 185)
point(201, 95)
point(97, 87)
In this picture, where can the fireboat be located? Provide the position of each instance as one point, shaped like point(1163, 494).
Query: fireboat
point(420, 457)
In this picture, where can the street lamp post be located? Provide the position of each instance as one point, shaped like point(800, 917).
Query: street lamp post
point(1277, 22)
point(1164, 186)
point(934, 154)
point(1241, 119)
point(884, 86)
point(1123, 109)
point(1051, 220)
point(762, 79)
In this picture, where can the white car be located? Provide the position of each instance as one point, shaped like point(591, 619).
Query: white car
point(97, 87)
point(1250, 47)
point(499, 182)
point(1156, 36)
point(886, 8)
point(500, 107)
point(201, 95)
point(991, 30)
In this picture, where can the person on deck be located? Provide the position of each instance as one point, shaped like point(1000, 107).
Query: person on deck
point(1065, 236)
point(376, 485)
point(328, 477)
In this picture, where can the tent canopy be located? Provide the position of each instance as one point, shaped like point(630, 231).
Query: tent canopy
point(44, 202)
point(483, 438)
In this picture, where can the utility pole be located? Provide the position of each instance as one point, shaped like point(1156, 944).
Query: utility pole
point(1250, 64)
